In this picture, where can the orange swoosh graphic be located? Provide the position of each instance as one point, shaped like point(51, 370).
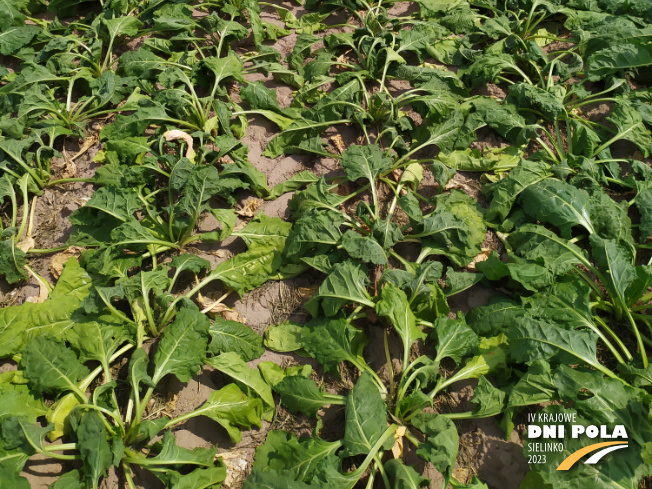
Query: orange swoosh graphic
point(574, 457)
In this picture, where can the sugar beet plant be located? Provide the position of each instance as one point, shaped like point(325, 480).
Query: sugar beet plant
point(169, 89)
point(379, 414)
point(109, 427)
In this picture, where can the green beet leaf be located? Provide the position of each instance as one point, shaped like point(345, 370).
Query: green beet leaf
point(456, 229)
point(364, 248)
point(70, 480)
point(317, 231)
point(631, 125)
point(248, 270)
point(192, 263)
point(531, 340)
point(534, 387)
point(227, 220)
point(489, 399)
point(618, 56)
point(616, 262)
point(284, 337)
point(611, 401)
point(232, 409)
point(491, 319)
point(332, 341)
point(505, 192)
point(538, 244)
point(20, 323)
point(200, 478)
point(284, 456)
point(182, 348)
point(455, 339)
point(441, 444)
point(317, 195)
point(259, 97)
point(404, 476)
point(12, 261)
point(302, 395)
point(393, 306)
point(16, 37)
point(270, 479)
point(273, 374)
point(117, 202)
point(293, 183)
point(559, 204)
point(202, 184)
point(52, 368)
point(345, 284)
point(236, 337)
point(17, 398)
point(96, 341)
point(264, 232)
point(249, 380)
point(17, 432)
point(364, 162)
point(526, 96)
point(94, 446)
point(366, 418)
point(644, 204)
point(170, 454)
point(11, 13)
point(138, 370)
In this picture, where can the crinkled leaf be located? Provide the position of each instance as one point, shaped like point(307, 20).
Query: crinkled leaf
point(531, 340)
point(631, 126)
point(12, 261)
point(394, 307)
point(364, 162)
point(16, 37)
point(441, 444)
point(404, 476)
point(94, 447)
point(293, 183)
point(284, 337)
point(317, 231)
point(233, 410)
point(170, 454)
point(489, 399)
point(182, 348)
point(236, 337)
point(51, 367)
point(248, 270)
point(264, 232)
point(505, 192)
point(248, 379)
point(364, 248)
point(302, 395)
point(345, 284)
point(558, 203)
point(366, 419)
point(527, 96)
point(633, 53)
point(454, 339)
point(332, 341)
